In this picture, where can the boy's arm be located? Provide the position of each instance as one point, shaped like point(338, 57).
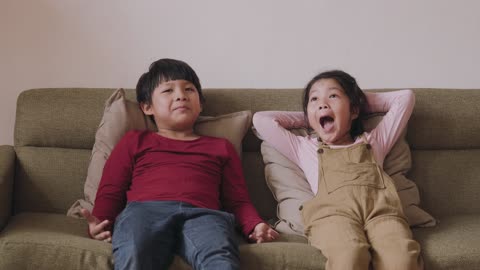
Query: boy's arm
point(398, 106)
point(117, 173)
point(234, 193)
point(272, 127)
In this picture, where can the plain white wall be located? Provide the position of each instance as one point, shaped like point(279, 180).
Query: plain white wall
point(261, 44)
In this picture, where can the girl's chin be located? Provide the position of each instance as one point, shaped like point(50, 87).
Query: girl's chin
point(327, 139)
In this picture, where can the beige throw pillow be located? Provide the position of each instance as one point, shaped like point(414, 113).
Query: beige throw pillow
point(121, 115)
point(290, 188)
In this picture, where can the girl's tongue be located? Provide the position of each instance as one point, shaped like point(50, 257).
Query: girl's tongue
point(327, 123)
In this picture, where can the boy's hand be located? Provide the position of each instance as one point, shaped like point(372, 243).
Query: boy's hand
point(263, 233)
point(96, 228)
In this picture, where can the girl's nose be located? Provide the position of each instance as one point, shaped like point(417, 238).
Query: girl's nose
point(324, 106)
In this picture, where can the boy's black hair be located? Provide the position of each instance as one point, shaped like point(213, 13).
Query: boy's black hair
point(349, 85)
point(164, 70)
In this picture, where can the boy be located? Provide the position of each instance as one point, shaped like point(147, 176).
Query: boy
point(164, 190)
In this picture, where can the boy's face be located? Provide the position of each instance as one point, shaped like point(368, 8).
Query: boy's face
point(329, 112)
point(175, 105)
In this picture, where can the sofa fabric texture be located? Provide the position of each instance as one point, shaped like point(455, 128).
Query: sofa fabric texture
point(44, 172)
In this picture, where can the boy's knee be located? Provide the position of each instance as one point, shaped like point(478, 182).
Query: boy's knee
point(130, 248)
point(220, 254)
point(141, 255)
point(219, 259)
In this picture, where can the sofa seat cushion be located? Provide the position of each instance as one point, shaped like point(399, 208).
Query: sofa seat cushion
point(45, 238)
point(453, 244)
point(281, 255)
point(51, 238)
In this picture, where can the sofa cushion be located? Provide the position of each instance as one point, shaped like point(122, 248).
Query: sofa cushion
point(453, 244)
point(281, 255)
point(7, 173)
point(51, 238)
point(291, 189)
point(48, 179)
point(121, 115)
point(448, 180)
point(46, 238)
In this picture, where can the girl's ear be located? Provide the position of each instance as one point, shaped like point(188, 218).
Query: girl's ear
point(146, 108)
point(355, 112)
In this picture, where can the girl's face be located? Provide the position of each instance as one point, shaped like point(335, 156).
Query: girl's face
point(329, 112)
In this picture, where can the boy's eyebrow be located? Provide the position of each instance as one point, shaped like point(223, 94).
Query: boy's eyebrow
point(164, 82)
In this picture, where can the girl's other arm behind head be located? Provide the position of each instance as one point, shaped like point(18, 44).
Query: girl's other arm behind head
point(272, 127)
point(398, 106)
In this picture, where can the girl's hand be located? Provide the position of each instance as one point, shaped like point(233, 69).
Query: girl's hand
point(263, 233)
point(96, 228)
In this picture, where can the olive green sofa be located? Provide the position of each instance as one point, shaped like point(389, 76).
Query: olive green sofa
point(43, 173)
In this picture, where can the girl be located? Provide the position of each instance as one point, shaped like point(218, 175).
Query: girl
point(356, 216)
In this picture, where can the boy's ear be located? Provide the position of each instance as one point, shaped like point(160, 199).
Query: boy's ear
point(146, 108)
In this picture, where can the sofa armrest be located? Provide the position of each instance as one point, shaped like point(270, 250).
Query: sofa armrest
point(7, 172)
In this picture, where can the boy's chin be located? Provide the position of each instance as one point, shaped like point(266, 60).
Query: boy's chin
point(187, 125)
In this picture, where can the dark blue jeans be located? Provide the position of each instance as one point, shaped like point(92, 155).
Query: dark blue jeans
point(148, 234)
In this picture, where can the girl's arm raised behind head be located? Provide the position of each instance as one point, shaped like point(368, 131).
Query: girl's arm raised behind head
point(272, 127)
point(398, 106)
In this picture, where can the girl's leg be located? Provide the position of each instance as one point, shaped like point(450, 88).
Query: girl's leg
point(342, 241)
point(392, 244)
point(144, 235)
point(208, 240)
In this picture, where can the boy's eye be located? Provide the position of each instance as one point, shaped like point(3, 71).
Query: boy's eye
point(167, 90)
point(189, 89)
point(313, 99)
point(333, 96)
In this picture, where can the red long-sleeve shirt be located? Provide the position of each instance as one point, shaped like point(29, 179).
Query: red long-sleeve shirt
point(205, 172)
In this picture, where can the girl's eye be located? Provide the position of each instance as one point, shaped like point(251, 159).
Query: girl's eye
point(333, 96)
point(313, 99)
point(167, 91)
point(190, 89)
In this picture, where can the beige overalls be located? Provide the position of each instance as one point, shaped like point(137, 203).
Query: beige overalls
point(356, 216)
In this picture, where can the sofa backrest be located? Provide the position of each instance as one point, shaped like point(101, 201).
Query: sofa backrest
point(55, 132)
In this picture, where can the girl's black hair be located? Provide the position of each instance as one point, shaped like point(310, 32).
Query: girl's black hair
point(165, 70)
point(358, 101)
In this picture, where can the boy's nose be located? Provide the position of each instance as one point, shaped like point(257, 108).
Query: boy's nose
point(181, 98)
point(323, 106)
point(180, 95)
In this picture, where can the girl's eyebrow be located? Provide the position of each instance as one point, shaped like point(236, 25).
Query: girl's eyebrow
point(330, 88)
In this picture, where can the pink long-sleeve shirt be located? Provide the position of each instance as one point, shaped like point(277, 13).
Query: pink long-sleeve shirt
point(273, 127)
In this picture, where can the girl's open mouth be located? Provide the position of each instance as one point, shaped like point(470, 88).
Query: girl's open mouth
point(326, 122)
